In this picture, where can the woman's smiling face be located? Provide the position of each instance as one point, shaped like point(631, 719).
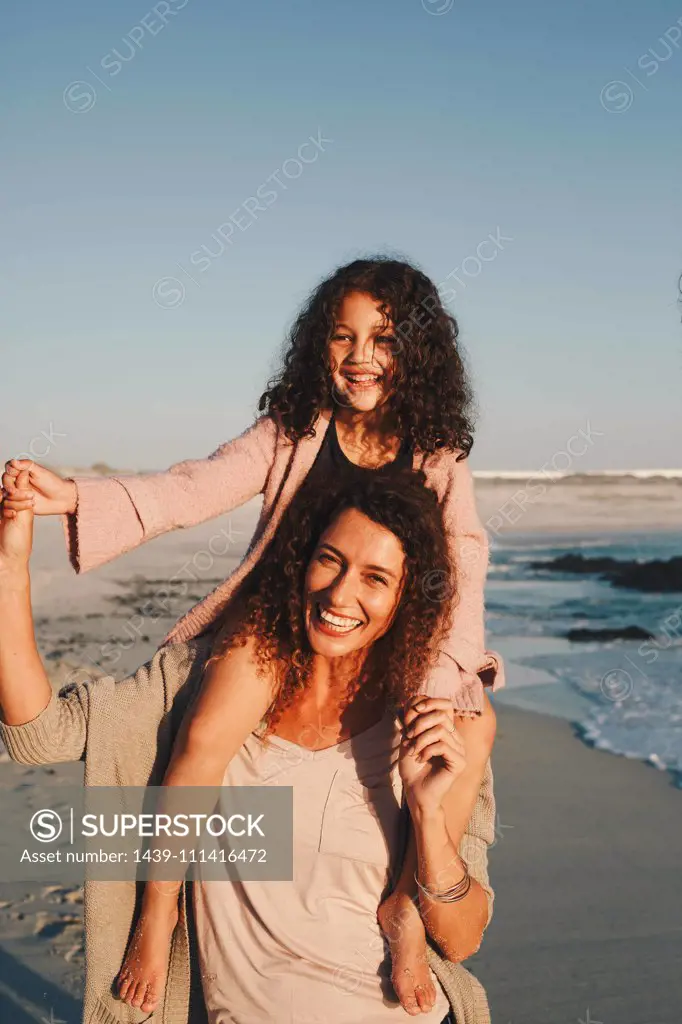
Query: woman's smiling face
point(353, 585)
point(361, 353)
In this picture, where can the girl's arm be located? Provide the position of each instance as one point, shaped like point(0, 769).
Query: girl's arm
point(104, 518)
point(464, 665)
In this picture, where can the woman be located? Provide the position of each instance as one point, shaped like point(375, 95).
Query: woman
point(343, 617)
point(372, 383)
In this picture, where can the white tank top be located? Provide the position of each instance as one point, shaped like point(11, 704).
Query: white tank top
point(310, 951)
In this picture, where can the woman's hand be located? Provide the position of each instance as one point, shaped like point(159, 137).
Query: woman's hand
point(432, 754)
point(45, 492)
point(16, 537)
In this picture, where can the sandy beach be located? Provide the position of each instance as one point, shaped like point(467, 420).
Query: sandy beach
point(586, 503)
point(588, 915)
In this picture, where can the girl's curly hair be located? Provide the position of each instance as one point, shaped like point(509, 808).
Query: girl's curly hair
point(270, 604)
point(432, 399)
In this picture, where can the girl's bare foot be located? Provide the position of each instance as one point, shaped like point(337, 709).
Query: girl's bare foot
point(402, 925)
point(142, 977)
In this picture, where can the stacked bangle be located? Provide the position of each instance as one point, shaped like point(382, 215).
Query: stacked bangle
point(453, 894)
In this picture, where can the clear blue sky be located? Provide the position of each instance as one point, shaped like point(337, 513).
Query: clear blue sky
point(443, 128)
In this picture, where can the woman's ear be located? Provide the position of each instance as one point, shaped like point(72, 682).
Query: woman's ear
point(392, 617)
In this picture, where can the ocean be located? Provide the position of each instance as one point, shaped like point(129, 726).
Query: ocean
point(624, 695)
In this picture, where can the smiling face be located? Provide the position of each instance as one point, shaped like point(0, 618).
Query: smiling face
point(353, 585)
point(361, 353)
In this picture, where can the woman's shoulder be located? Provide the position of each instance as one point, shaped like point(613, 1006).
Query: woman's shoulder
point(238, 658)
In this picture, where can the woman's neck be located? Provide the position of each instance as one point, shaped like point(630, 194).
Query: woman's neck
point(336, 678)
point(333, 707)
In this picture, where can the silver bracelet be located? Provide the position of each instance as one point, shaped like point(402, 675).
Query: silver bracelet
point(453, 894)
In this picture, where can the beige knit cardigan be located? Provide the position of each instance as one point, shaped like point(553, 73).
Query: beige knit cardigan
point(116, 514)
point(124, 733)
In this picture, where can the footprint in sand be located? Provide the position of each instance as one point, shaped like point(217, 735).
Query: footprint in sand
point(50, 927)
point(60, 894)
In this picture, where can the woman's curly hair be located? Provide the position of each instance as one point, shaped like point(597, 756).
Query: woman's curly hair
point(270, 604)
point(432, 398)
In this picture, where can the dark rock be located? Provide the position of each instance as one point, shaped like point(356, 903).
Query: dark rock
point(656, 577)
point(604, 635)
point(577, 564)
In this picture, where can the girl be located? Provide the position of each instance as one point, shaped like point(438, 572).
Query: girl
point(308, 950)
point(372, 382)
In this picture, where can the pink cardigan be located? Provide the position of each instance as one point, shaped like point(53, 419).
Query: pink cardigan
point(117, 514)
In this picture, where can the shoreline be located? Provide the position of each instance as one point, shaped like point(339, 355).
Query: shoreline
point(560, 706)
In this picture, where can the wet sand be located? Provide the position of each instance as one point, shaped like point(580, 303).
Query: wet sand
point(586, 870)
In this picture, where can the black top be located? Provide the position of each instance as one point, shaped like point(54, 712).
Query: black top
point(332, 462)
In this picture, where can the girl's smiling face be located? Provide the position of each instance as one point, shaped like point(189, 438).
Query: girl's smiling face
point(353, 585)
point(361, 353)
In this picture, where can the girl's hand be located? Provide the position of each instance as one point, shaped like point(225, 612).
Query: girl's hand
point(432, 754)
point(45, 492)
point(16, 537)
